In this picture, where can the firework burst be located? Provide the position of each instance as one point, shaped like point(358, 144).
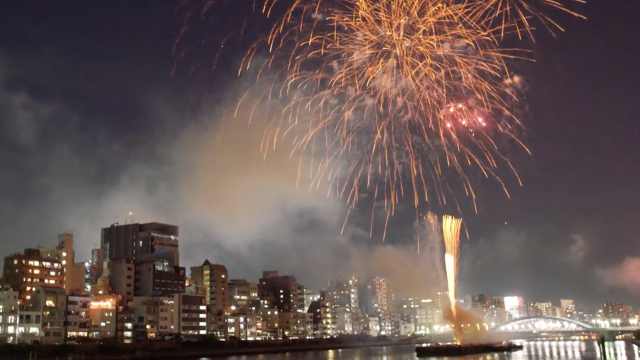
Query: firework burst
point(398, 99)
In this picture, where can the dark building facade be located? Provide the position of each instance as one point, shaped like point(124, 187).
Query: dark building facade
point(136, 241)
point(281, 291)
point(147, 251)
point(156, 277)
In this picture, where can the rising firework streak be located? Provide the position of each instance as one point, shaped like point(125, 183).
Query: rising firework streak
point(451, 236)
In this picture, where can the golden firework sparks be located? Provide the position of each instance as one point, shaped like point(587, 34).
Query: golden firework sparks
point(392, 97)
point(451, 236)
point(401, 100)
point(520, 16)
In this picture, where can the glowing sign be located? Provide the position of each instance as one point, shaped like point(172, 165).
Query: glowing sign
point(102, 304)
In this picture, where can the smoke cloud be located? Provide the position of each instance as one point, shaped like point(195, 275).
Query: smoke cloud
point(624, 275)
point(79, 172)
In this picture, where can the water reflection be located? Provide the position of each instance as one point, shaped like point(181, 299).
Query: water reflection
point(533, 350)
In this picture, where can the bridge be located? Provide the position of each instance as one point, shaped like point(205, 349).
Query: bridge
point(536, 326)
point(543, 324)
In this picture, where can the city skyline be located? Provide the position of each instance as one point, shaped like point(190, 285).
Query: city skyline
point(133, 290)
point(95, 125)
point(78, 281)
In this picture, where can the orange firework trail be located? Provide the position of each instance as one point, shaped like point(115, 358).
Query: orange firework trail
point(401, 100)
point(519, 15)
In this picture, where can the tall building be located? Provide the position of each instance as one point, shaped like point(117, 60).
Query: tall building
point(377, 303)
point(182, 314)
point(135, 241)
point(31, 270)
point(157, 277)
point(327, 326)
point(310, 297)
point(42, 317)
point(96, 265)
point(615, 312)
point(152, 249)
point(515, 307)
point(145, 312)
point(8, 314)
point(345, 306)
point(281, 291)
point(121, 277)
point(428, 316)
point(78, 317)
point(315, 310)
point(212, 282)
point(103, 316)
point(417, 316)
point(241, 294)
point(567, 308)
point(480, 304)
point(285, 296)
point(73, 272)
point(542, 309)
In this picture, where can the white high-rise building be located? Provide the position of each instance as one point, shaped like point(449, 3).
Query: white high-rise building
point(515, 307)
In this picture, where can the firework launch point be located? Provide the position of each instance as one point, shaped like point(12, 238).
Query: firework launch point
point(465, 349)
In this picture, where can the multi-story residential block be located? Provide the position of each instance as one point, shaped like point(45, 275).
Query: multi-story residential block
point(78, 316)
point(241, 294)
point(9, 306)
point(157, 277)
point(31, 270)
point(42, 317)
point(182, 314)
point(136, 241)
point(212, 282)
point(148, 250)
point(103, 316)
point(74, 273)
point(281, 291)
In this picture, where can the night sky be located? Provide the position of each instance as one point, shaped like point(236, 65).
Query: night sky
point(95, 122)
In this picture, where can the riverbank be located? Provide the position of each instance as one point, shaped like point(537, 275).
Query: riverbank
point(190, 350)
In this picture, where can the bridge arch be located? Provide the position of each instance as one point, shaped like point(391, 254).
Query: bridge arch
point(542, 323)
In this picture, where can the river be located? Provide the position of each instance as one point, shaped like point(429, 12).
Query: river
point(533, 350)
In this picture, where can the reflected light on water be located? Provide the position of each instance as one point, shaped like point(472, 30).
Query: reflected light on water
point(331, 355)
point(532, 350)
